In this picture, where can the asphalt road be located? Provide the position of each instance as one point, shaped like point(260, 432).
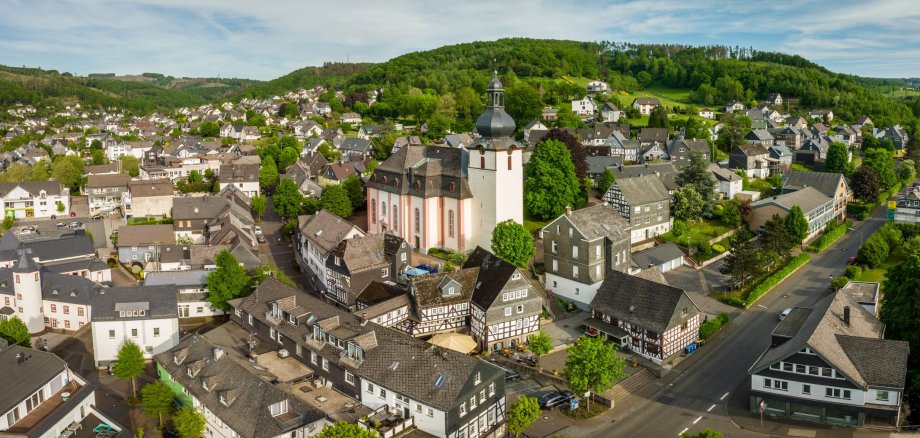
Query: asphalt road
point(699, 397)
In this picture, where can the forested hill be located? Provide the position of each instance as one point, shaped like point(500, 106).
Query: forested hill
point(141, 94)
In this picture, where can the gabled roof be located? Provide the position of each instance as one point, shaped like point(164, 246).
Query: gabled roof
point(21, 379)
point(34, 188)
point(324, 229)
point(647, 101)
point(248, 394)
point(597, 221)
point(825, 182)
point(139, 235)
point(651, 135)
point(161, 302)
point(857, 349)
point(651, 305)
point(807, 199)
point(657, 255)
point(426, 288)
point(494, 274)
point(642, 189)
point(151, 187)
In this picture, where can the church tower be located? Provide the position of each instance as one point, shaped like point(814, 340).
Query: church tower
point(495, 169)
point(28, 288)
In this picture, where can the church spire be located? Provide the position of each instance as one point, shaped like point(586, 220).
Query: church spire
point(495, 122)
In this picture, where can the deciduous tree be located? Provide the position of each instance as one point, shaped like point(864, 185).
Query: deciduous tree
point(15, 332)
point(512, 243)
point(287, 200)
point(335, 200)
point(901, 301)
point(258, 204)
point(540, 343)
point(775, 238)
point(227, 282)
point(658, 118)
point(688, 204)
point(607, 179)
point(696, 173)
point(130, 165)
point(742, 263)
point(550, 183)
point(130, 364)
point(523, 103)
point(522, 414)
point(882, 161)
point(796, 224)
point(342, 429)
point(865, 184)
point(189, 423)
point(157, 399)
point(838, 159)
point(352, 185)
point(577, 151)
point(592, 364)
point(268, 174)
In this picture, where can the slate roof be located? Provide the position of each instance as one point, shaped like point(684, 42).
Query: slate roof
point(21, 379)
point(107, 180)
point(232, 376)
point(52, 188)
point(649, 304)
point(858, 349)
point(862, 291)
point(178, 278)
point(367, 252)
point(426, 288)
point(598, 163)
point(807, 199)
point(760, 135)
point(62, 247)
point(597, 221)
point(647, 101)
point(632, 170)
point(824, 182)
point(151, 187)
point(139, 235)
point(643, 189)
point(656, 256)
point(433, 167)
point(651, 135)
point(405, 364)
point(494, 275)
point(239, 172)
point(752, 150)
point(324, 229)
point(161, 301)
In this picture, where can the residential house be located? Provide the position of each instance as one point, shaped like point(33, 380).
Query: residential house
point(821, 114)
point(447, 394)
point(650, 136)
point(907, 207)
point(817, 207)
point(34, 199)
point(357, 147)
point(44, 398)
point(862, 121)
point(458, 140)
point(302, 173)
point(781, 157)
point(796, 122)
point(753, 159)
point(646, 317)
point(679, 151)
point(584, 106)
point(775, 99)
point(645, 105)
point(618, 145)
point(107, 192)
point(212, 220)
point(815, 149)
point(818, 130)
point(664, 171)
point(337, 172)
point(242, 174)
point(597, 164)
point(350, 117)
point(234, 396)
point(759, 136)
point(645, 203)
point(103, 169)
point(357, 261)
point(59, 251)
point(897, 135)
point(728, 183)
point(581, 247)
point(192, 288)
point(707, 114)
point(549, 114)
point(145, 315)
point(153, 197)
point(320, 234)
point(143, 243)
point(866, 294)
point(733, 106)
point(597, 86)
point(610, 113)
point(789, 135)
point(833, 185)
point(823, 365)
point(368, 132)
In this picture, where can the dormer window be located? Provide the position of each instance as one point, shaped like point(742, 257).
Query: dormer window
point(478, 379)
point(279, 408)
point(223, 399)
point(204, 384)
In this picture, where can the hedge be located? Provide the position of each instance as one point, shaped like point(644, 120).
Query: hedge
point(711, 327)
point(861, 211)
point(773, 279)
point(826, 239)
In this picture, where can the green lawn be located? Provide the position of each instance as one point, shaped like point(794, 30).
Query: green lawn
point(698, 233)
point(877, 274)
point(797, 166)
point(760, 185)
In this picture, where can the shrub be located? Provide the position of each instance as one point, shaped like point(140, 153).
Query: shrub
point(731, 300)
point(832, 232)
point(839, 282)
point(773, 279)
point(678, 229)
point(719, 249)
point(853, 272)
point(712, 326)
point(874, 251)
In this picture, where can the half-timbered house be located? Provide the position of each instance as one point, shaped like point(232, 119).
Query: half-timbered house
point(355, 262)
point(649, 318)
point(441, 302)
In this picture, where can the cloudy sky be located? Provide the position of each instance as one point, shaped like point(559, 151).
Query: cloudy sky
point(269, 38)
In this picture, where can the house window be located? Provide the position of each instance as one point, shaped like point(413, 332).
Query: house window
point(383, 393)
point(473, 402)
point(418, 221)
point(553, 246)
point(462, 409)
point(520, 308)
point(482, 162)
point(250, 319)
point(555, 265)
point(597, 271)
point(574, 251)
point(491, 389)
point(383, 209)
point(450, 223)
point(373, 211)
point(418, 408)
point(430, 412)
point(575, 271)
point(806, 389)
point(881, 395)
point(313, 358)
point(111, 334)
point(507, 311)
point(395, 217)
point(571, 231)
point(350, 378)
point(66, 323)
point(509, 162)
point(156, 332)
point(325, 364)
point(370, 387)
point(67, 310)
point(53, 308)
point(133, 333)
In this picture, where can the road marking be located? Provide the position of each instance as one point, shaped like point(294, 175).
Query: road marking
point(711, 408)
point(698, 419)
point(682, 432)
point(723, 396)
point(761, 305)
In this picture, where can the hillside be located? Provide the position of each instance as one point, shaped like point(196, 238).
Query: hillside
point(141, 94)
point(330, 74)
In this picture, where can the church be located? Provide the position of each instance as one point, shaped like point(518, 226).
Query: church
point(452, 198)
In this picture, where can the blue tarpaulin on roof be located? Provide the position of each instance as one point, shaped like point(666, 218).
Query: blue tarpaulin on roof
point(415, 272)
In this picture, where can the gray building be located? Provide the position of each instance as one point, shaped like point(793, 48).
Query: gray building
point(580, 247)
point(142, 243)
point(355, 262)
point(645, 203)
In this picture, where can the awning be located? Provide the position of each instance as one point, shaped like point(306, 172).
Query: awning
point(606, 328)
point(454, 341)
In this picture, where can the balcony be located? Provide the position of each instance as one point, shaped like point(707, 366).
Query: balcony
point(289, 420)
point(274, 320)
point(47, 408)
point(389, 423)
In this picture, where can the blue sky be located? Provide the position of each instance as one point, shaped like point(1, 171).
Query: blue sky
point(269, 38)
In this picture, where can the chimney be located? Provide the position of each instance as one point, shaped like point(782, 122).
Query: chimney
point(363, 319)
point(218, 353)
point(846, 315)
point(568, 210)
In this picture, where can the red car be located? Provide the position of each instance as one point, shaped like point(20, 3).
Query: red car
point(852, 260)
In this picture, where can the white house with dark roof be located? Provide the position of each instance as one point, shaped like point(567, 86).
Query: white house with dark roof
point(817, 208)
point(145, 315)
point(645, 105)
point(319, 235)
point(644, 202)
point(34, 199)
point(831, 364)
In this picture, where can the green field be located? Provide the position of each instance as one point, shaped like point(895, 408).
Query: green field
point(698, 233)
point(877, 274)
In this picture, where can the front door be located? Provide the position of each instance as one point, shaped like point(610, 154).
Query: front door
point(417, 242)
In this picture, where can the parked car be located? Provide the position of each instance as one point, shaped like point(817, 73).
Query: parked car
point(852, 260)
point(556, 398)
point(260, 238)
point(76, 224)
point(258, 230)
point(511, 375)
point(784, 314)
point(97, 217)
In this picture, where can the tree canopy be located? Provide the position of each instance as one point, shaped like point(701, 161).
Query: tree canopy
point(341, 429)
point(900, 302)
point(512, 243)
point(15, 332)
point(522, 414)
point(550, 183)
point(188, 422)
point(157, 399)
point(227, 282)
point(883, 162)
point(129, 364)
point(268, 173)
point(865, 184)
point(335, 200)
point(837, 160)
point(287, 200)
point(688, 204)
point(796, 224)
point(592, 364)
